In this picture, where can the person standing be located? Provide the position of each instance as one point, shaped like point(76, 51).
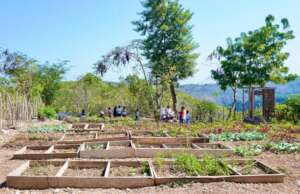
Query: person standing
point(137, 114)
point(109, 112)
point(182, 114)
point(187, 118)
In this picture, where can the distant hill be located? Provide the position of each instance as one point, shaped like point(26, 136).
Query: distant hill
point(212, 92)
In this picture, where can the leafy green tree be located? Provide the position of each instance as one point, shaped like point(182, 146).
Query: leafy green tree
point(263, 55)
point(51, 76)
point(254, 58)
point(293, 103)
point(168, 43)
point(231, 70)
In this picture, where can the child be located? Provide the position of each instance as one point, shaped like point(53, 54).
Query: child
point(187, 118)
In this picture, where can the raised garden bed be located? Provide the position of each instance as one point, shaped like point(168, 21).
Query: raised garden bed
point(128, 149)
point(77, 138)
point(35, 175)
point(48, 152)
point(169, 140)
point(96, 146)
point(148, 134)
point(111, 149)
point(31, 152)
point(145, 145)
point(167, 173)
point(79, 125)
point(123, 174)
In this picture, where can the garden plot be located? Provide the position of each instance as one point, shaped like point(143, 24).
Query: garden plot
point(47, 152)
point(112, 136)
point(92, 127)
point(250, 167)
point(168, 139)
point(31, 152)
point(170, 171)
point(211, 146)
point(128, 149)
point(132, 174)
point(96, 146)
point(148, 134)
point(111, 149)
point(167, 150)
point(35, 175)
point(79, 126)
point(33, 139)
point(75, 138)
point(145, 145)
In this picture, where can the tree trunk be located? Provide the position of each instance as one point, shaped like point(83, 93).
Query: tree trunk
point(174, 98)
point(233, 106)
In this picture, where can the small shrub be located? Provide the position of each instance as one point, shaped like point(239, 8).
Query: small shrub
point(187, 163)
point(212, 166)
point(47, 112)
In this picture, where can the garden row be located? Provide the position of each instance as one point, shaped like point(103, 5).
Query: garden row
point(41, 174)
point(120, 149)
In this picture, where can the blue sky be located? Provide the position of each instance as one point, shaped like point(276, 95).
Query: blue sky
point(82, 31)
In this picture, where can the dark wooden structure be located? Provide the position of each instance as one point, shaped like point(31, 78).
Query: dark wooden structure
point(268, 100)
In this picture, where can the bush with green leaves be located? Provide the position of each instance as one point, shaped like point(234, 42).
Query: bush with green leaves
point(243, 136)
point(208, 166)
point(187, 163)
point(246, 151)
point(213, 166)
point(47, 112)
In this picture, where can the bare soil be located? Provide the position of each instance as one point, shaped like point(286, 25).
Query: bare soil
point(125, 171)
point(79, 137)
point(31, 151)
point(166, 170)
point(119, 146)
point(65, 150)
point(249, 169)
point(31, 139)
point(101, 135)
point(41, 170)
point(209, 146)
point(91, 172)
point(96, 146)
point(179, 146)
point(148, 145)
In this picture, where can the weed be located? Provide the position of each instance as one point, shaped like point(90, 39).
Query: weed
point(187, 163)
point(212, 166)
point(159, 160)
point(145, 168)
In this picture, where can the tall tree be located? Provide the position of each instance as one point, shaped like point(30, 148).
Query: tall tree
point(230, 72)
point(168, 43)
point(51, 76)
point(263, 55)
point(255, 58)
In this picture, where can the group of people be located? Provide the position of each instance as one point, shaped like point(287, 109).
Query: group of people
point(184, 116)
point(166, 114)
point(118, 111)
